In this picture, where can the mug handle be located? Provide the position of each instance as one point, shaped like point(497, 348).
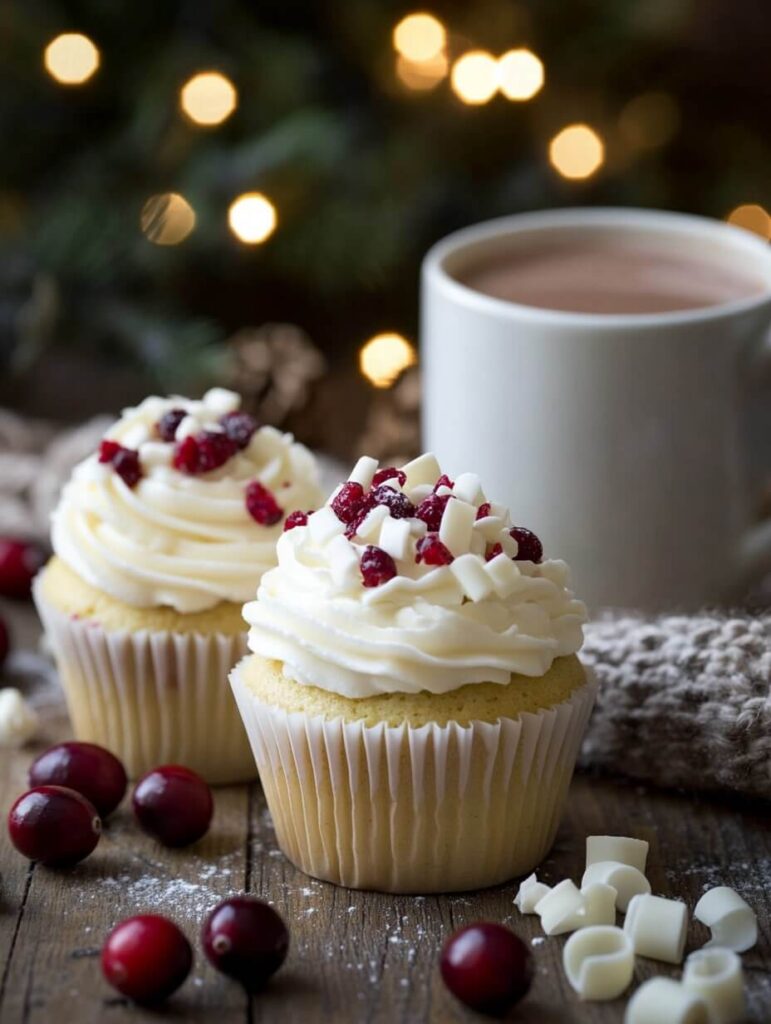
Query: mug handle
point(755, 546)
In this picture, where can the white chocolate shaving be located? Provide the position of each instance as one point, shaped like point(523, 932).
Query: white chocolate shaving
point(220, 401)
point(343, 559)
point(468, 488)
point(657, 927)
point(529, 893)
point(18, 721)
point(599, 962)
point(456, 526)
point(471, 575)
point(364, 470)
point(370, 527)
point(323, 525)
point(664, 1001)
point(599, 906)
point(716, 976)
point(489, 526)
point(423, 470)
point(559, 908)
point(395, 537)
point(622, 849)
point(505, 575)
point(626, 880)
point(731, 919)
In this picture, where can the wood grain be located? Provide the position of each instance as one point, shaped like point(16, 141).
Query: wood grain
point(356, 957)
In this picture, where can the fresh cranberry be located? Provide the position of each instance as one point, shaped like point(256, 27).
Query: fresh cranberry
point(483, 510)
point(397, 502)
point(90, 770)
point(487, 967)
point(166, 427)
point(124, 461)
point(377, 566)
point(203, 452)
point(529, 547)
point(493, 550)
point(240, 428)
point(432, 551)
point(54, 825)
point(348, 501)
point(5, 642)
point(297, 518)
point(19, 562)
point(261, 505)
point(389, 473)
point(245, 939)
point(146, 958)
point(443, 481)
point(173, 804)
point(431, 510)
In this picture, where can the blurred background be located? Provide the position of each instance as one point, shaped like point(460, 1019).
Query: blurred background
point(241, 193)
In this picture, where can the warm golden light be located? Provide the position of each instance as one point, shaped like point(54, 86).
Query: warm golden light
point(422, 75)
point(252, 218)
point(71, 58)
point(577, 151)
point(520, 74)
point(419, 37)
point(751, 217)
point(649, 120)
point(167, 219)
point(475, 77)
point(208, 98)
point(383, 358)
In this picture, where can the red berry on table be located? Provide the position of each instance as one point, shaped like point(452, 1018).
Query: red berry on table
point(297, 518)
point(487, 967)
point(90, 770)
point(397, 502)
point(261, 505)
point(431, 510)
point(240, 427)
point(529, 547)
point(348, 501)
point(146, 958)
point(54, 825)
point(377, 566)
point(5, 642)
point(245, 939)
point(389, 473)
point(19, 562)
point(174, 804)
point(432, 551)
point(166, 427)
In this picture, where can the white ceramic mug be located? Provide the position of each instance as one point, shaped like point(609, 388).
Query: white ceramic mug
point(616, 438)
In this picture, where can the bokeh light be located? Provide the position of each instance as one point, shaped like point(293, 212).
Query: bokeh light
point(167, 219)
point(475, 77)
point(751, 217)
point(419, 37)
point(384, 357)
point(649, 120)
point(252, 218)
point(424, 74)
point(520, 74)
point(577, 151)
point(71, 58)
point(208, 98)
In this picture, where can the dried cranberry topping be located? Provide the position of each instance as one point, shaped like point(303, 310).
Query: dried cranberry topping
point(389, 473)
point(443, 481)
point(108, 450)
point(432, 551)
point(203, 452)
point(529, 547)
point(431, 510)
point(377, 566)
point(296, 518)
point(493, 550)
point(353, 527)
point(124, 461)
point(166, 427)
point(399, 504)
point(348, 501)
point(483, 510)
point(240, 427)
point(262, 506)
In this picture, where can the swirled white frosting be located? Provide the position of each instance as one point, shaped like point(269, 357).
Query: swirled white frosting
point(175, 539)
point(434, 628)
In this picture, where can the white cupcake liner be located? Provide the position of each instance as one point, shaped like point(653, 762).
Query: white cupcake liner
point(403, 809)
point(151, 697)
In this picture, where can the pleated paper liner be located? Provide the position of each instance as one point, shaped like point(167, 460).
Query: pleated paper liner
point(152, 697)
point(420, 810)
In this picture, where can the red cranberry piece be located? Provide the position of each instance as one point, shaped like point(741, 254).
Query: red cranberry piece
point(124, 461)
point(353, 527)
point(261, 505)
point(296, 518)
point(443, 481)
point(348, 501)
point(203, 452)
point(5, 642)
point(432, 551)
point(377, 566)
point(431, 510)
point(487, 967)
point(108, 450)
point(19, 562)
point(483, 510)
point(90, 770)
point(54, 825)
point(240, 427)
point(398, 503)
point(173, 804)
point(245, 939)
point(389, 473)
point(166, 427)
point(529, 547)
point(493, 550)
point(146, 958)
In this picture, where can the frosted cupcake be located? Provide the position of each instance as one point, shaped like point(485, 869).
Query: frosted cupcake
point(413, 696)
point(158, 539)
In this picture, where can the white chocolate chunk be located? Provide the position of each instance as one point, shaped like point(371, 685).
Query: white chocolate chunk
point(220, 401)
point(395, 537)
point(155, 453)
point(490, 527)
point(657, 927)
point(456, 526)
point(343, 560)
point(716, 976)
point(363, 471)
point(468, 488)
point(529, 893)
point(187, 427)
point(619, 848)
point(731, 919)
point(370, 527)
point(626, 880)
point(664, 1001)
point(599, 906)
point(323, 525)
point(599, 962)
point(470, 572)
point(505, 575)
point(421, 491)
point(423, 470)
point(559, 909)
point(18, 721)
point(136, 436)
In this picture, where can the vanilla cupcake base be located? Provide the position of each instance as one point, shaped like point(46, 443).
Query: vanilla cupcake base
point(413, 808)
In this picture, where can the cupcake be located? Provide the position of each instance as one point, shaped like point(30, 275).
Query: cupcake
point(158, 539)
point(413, 696)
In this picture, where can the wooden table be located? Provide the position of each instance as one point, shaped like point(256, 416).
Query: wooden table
point(355, 957)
